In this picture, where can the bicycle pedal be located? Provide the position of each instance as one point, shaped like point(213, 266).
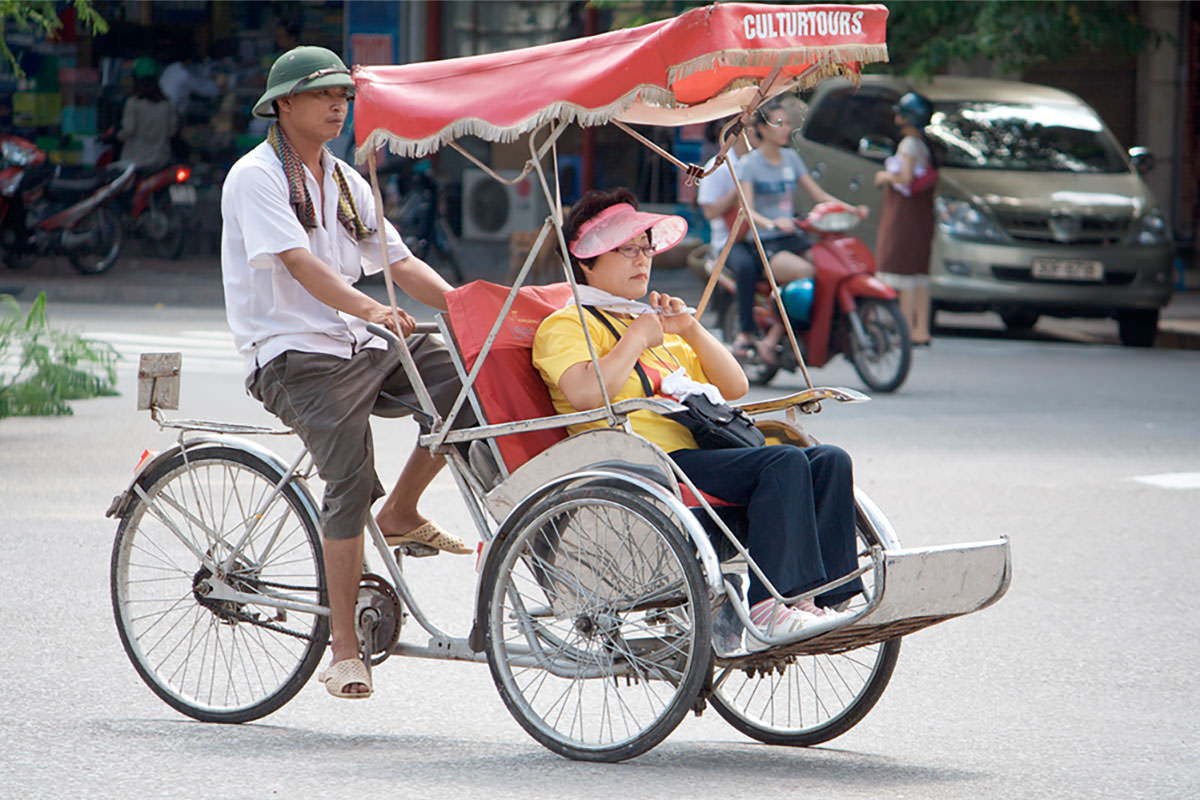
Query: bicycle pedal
point(416, 550)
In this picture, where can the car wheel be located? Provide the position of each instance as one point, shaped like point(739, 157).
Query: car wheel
point(1138, 327)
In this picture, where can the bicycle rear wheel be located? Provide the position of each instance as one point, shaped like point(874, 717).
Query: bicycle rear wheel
point(598, 624)
point(218, 660)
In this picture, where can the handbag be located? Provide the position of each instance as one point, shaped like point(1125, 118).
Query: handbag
point(714, 426)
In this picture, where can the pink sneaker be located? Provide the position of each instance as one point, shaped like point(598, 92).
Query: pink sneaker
point(787, 620)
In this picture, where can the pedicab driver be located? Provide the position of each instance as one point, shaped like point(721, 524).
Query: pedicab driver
point(299, 227)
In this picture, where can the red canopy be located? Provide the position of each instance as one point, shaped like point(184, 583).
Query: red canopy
point(702, 65)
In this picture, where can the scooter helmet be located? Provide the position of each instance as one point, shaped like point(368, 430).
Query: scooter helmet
point(302, 69)
point(798, 299)
point(914, 108)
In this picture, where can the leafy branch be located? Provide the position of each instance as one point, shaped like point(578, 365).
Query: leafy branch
point(42, 369)
point(39, 18)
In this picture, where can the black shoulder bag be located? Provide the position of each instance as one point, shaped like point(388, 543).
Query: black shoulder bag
point(712, 425)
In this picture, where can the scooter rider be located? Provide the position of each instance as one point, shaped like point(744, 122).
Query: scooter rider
point(299, 227)
point(769, 176)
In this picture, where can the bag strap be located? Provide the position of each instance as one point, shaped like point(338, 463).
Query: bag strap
point(647, 387)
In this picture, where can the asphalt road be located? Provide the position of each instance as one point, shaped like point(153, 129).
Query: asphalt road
point(1079, 683)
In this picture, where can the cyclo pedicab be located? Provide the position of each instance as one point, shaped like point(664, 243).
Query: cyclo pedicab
point(602, 565)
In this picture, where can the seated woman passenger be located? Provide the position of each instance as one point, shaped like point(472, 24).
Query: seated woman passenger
point(799, 502)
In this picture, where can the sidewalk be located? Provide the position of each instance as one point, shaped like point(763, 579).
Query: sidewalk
point(140, 280)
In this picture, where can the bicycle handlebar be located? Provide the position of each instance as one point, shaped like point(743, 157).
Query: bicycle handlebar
point(392, 339)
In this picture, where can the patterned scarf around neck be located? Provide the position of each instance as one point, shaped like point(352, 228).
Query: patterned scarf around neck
point(298, 196)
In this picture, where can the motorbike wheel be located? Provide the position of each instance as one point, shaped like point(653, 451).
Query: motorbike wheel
point(169, 241)
point(758, 372)
point(15, 256)
point(884, 359)
point(99, 234)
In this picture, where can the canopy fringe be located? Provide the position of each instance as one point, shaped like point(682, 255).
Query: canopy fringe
point(474, 126)
point(794, 56)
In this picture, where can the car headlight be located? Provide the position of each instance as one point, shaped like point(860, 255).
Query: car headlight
point(1152, 229)
point(963, 220)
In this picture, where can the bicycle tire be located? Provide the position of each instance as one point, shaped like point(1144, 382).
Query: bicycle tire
point(622, 599)
point(217, 661)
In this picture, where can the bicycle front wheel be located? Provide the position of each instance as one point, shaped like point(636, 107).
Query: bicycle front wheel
point(803, 700)
point(598, 624)
point(212, 657)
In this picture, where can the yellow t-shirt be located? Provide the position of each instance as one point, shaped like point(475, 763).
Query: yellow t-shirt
point(559, 345)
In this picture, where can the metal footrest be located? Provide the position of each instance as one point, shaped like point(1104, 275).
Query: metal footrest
point(916, 588)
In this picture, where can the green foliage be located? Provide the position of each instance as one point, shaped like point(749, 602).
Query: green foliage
point(925, 36)
point(42, 369)
point(41, 18)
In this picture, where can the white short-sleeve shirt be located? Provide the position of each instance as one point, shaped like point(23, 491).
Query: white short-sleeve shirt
point(268, 310)
point(712, 188)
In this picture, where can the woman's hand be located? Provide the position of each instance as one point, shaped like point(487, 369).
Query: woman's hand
point(785, 225)
point(882, 178)
point(646, 330)
point(673, 318)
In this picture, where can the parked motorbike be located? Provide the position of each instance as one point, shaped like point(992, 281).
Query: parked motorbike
point(844, 309)
point(159, 210)
point(44, 211)
point(158, 207)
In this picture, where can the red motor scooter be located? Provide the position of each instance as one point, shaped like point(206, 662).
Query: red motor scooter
point(844, 309)
point(159, 206)
point(42, 212)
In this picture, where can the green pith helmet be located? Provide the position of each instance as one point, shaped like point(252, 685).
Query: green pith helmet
point(302, 69)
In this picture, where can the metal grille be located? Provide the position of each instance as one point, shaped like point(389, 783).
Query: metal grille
point(1037, 226)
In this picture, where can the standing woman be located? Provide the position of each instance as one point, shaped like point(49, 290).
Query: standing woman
point(906, 221)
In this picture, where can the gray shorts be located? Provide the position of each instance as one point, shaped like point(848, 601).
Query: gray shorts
point(328, 402)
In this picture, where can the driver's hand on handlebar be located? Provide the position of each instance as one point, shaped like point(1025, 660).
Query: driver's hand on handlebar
point(863, 211)
point(382, 315)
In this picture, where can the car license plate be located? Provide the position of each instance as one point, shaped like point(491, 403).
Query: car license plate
point(182, 194)
point(1067, 269)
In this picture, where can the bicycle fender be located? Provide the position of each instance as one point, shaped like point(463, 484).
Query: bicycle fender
point(119, 507)
point(709, 564)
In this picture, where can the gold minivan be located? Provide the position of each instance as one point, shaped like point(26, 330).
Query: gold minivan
point(1039, 210)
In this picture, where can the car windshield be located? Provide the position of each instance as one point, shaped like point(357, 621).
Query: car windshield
point(1023, 137)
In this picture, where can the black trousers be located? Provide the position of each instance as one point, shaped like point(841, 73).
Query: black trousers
point(800, 512)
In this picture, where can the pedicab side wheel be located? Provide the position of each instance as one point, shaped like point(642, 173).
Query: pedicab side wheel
point(598, 624)
point(884, 361)
point(803, 700)
point(218, 660)
point(811, 699)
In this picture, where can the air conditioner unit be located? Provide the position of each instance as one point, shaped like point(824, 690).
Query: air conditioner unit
point(493, 211)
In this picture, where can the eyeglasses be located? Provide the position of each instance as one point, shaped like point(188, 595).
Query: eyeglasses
point(631, 251)
point(775, 123)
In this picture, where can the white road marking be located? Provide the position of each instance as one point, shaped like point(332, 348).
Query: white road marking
point(1171, 480)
